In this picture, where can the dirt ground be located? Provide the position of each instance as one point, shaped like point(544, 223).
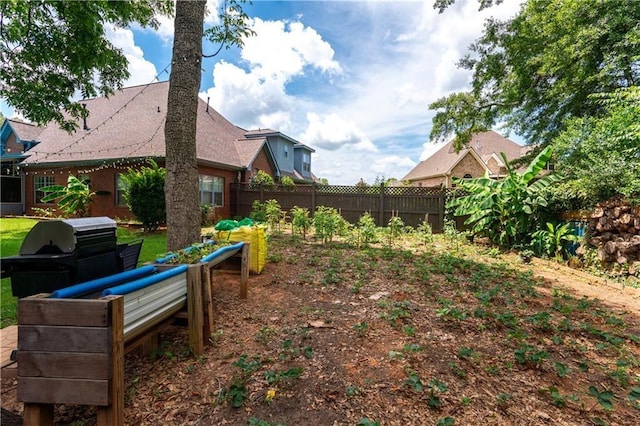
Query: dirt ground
point(443, 333)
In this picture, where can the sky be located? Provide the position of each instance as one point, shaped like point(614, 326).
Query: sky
point(350, 79)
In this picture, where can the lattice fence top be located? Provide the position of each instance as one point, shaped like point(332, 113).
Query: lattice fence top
point(345, 190)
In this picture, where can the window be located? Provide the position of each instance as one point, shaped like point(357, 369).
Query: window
point(121, 187)
point(211, 190)
point(84, 178)
point(467, 176)
point(286, 151)
point(41, 182)
point(306, 162)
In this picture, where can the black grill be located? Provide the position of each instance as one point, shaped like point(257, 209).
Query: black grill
point(59, 253)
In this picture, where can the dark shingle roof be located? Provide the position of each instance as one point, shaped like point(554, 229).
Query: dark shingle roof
point(130, 123)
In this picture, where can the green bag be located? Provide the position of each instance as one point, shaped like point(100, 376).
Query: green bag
point(226, 225)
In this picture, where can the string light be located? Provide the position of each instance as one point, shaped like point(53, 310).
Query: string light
point(64, 150)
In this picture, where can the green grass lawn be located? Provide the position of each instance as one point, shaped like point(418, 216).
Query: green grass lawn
point(13, 231)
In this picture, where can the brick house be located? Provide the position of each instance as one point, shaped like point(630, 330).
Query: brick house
point(122, 132)
point(480, 155)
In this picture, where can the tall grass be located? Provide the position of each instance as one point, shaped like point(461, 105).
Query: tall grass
point(13, 231)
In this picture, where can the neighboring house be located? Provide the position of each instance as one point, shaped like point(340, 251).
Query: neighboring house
point(480, 155)
point(122, 132)
point(293, 159)
point(13, 150)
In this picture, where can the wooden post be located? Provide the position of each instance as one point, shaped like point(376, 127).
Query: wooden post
point(313, 198)
point(441, 201)
point(207, 300)
point(113, 414)
point(244, 271)
point(195, 316)
point(37, 414)
point(381, 210)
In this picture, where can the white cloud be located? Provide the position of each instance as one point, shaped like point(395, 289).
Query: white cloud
point(333, 132)
point(258, 96)
point(141, 70)
point(362, 102)
point(429, 148)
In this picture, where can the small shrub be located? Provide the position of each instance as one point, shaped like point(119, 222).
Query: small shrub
point(144, 195)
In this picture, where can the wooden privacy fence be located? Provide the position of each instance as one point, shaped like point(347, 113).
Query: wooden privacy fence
point(413, 204)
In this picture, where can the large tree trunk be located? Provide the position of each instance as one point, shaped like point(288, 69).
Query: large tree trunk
point(181, 187)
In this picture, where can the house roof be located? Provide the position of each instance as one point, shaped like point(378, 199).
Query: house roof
point(264, 133)
point(484, 145)
point(26, 132)
point(130, 124)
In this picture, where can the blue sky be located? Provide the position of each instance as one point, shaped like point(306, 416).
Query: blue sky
point(351, 79)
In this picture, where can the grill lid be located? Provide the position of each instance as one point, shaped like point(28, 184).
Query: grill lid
point(59, 236)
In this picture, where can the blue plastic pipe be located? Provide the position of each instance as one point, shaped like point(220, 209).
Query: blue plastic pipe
point(102, 283)
point(144, 282)
point(221, 250)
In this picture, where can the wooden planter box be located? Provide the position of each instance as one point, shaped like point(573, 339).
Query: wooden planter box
point(71, 351)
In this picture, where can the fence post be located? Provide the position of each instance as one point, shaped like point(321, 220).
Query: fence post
point(381, 211)
point(441, 201)
point(313, 197)
point(261, 193)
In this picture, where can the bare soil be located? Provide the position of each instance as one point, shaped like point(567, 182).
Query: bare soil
point(418, 334)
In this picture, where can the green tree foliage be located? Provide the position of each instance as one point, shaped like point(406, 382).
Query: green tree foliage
point(72, 199)
point(441, 5)
point(145, 195)
point(287, 182)
point(600, 156)
point(502, 209)
point(262, 178)
point(537, 70)
point(52, 50)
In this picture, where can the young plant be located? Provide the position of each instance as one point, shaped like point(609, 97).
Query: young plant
point(258, 211)
point(395, 228)
point(273, 214)
point(72, 199)
point(328, 222)
point(553, 241)
point(300, 220)
point(367, 229)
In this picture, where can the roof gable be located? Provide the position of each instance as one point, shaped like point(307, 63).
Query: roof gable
point(483, 145)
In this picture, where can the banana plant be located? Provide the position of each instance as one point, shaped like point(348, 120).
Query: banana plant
point(554, 240)
point(73, 199)
point(502, 209)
